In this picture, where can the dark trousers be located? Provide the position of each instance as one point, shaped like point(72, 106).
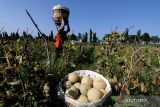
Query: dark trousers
point(59, 51)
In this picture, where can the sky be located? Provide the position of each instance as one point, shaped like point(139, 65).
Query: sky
point(102, 16)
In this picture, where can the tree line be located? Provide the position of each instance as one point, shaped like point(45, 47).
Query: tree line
point(137, 38)
point(87, 37)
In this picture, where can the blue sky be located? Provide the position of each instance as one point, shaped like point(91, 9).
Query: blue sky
point(100, 15)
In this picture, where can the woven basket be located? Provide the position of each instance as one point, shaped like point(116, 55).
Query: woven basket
point(92, 75)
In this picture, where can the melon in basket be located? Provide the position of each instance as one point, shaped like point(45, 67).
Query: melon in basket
point(87, 80)
point(77, 85)
point(84, 89)
point(103, 91)
point(94, 95)
point(99, 83)
point(73, 77)
point(90, 88)
point(68, 84)
point(82, 99)
point(72, 92)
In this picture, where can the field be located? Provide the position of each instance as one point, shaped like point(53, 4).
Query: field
point(130, 69)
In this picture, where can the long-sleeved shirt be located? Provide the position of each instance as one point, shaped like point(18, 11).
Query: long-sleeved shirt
point(61, 35)
point(62, 26)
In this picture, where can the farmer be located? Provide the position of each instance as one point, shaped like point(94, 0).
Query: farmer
point(61, 36)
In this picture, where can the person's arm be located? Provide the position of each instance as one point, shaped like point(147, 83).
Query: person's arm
point(68, 28)
point(62, 26)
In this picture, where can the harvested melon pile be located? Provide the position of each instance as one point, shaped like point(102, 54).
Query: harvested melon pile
point(85, 89)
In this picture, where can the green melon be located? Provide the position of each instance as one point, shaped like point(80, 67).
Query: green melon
point(72, 92)
point(84, 89)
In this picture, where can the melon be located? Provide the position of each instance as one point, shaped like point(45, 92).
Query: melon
point(82, 99)
point(77, 85)
point(107, 89)
point(68, 84)
point(99, 83)
point(103, 91)
point(87, 80)
point(84, 89)
point(73, 77)
point(72, 92)
point(94, 95)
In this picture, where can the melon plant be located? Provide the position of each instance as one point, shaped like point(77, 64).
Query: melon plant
point(99, 83)
point(87, 80)
point(73, 77)
point(82, 99)
point(84, 89)
point(94, 95)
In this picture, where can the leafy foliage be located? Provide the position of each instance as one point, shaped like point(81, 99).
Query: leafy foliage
point(133, 69)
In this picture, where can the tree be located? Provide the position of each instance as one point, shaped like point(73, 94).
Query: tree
point(73, 37)
point(90, 36)
point(126, 36)
point(131, 38)
point(17, 35)
point(0, 36)
point(158, 40)
point(79, 37)
point(85, 37)
point(138, 37)
point(5, 35)
point(154, 39)
point(94, 38)
point(51, 37)
point(146, 38)
point(38, 34)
